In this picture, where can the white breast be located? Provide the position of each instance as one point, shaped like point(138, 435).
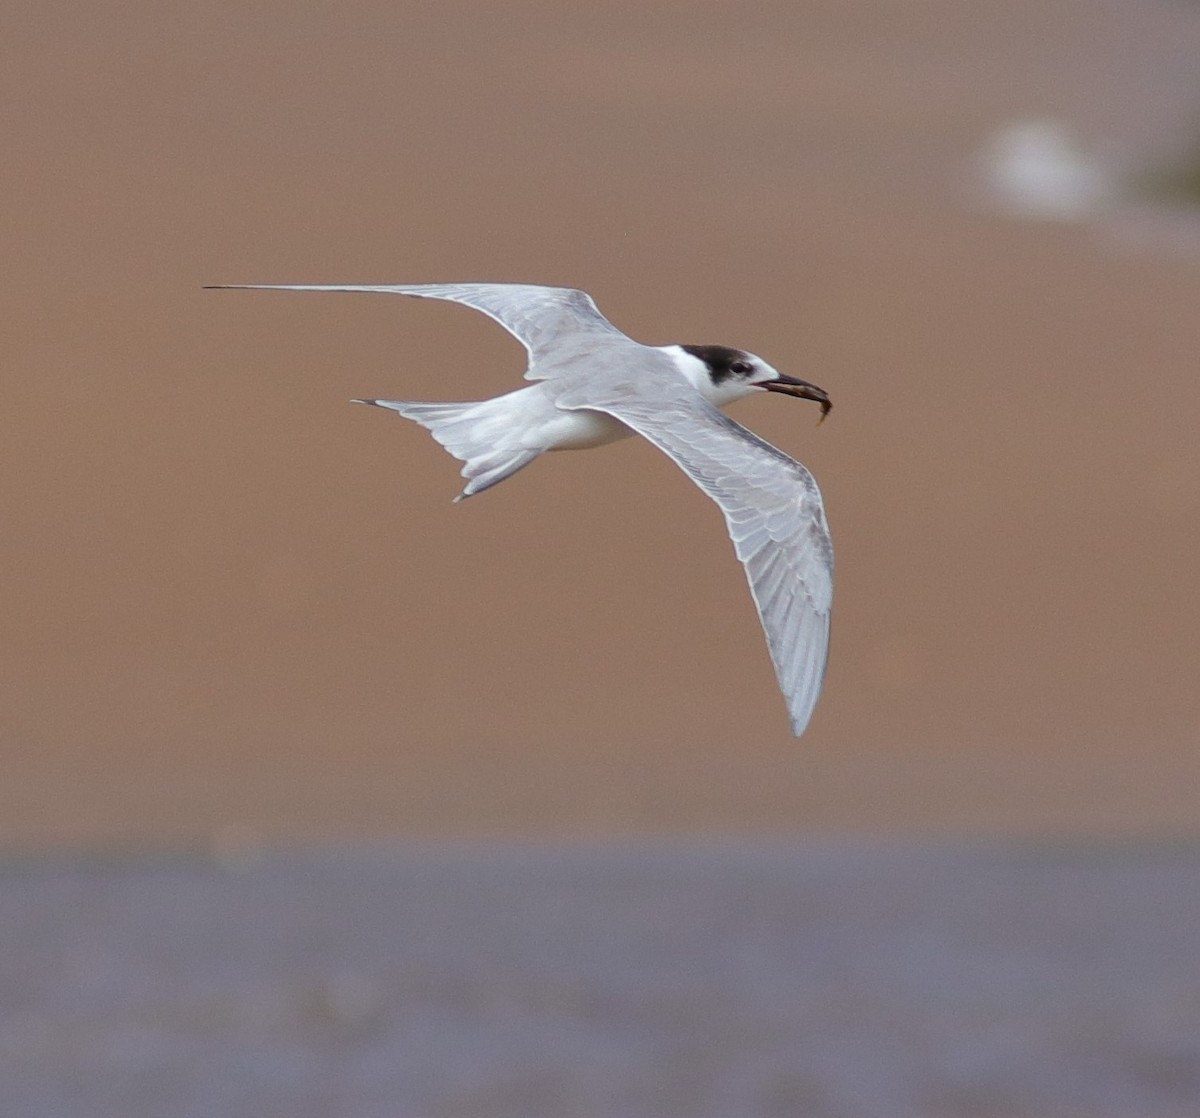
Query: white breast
point(577, 430)
point(529, 418)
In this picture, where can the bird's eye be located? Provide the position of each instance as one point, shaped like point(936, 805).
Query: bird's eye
point(741, 368)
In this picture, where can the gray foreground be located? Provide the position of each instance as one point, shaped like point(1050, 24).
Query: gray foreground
point(519, 982)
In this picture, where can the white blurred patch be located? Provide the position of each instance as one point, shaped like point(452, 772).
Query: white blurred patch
point(1036, 169)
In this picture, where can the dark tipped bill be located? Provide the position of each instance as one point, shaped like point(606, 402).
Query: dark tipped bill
point(801, 389)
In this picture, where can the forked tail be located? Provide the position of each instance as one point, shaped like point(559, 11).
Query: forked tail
point(475, 432)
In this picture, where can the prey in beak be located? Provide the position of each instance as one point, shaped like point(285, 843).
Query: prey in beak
point(801, 389)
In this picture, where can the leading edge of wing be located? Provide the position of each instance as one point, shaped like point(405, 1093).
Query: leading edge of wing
point(776, 519)
point(534, 315)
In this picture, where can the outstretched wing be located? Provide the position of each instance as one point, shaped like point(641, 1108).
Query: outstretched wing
point(775, 516)
point(545, 320)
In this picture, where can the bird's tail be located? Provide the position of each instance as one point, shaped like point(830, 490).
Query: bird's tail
point(476, 433)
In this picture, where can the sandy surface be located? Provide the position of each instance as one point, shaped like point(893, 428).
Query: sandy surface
point(782, 981)
point(233, 600)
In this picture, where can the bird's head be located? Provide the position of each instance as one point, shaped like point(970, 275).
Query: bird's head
point(722, 375)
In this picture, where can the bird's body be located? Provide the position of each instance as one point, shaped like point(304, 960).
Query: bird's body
point(559, 430)
point(593, 385)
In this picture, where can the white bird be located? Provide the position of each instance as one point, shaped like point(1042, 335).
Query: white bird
point(594, 385)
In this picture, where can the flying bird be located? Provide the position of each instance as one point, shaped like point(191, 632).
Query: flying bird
point(594, 385)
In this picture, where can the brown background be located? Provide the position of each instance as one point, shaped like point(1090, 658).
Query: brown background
point(236, 606)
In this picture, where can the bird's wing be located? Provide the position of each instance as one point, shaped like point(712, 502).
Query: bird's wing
point(775, 516)
point(545, 320)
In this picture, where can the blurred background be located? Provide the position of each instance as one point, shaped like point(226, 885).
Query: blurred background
point(324, 796)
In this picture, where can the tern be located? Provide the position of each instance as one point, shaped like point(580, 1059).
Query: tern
point(594, 385)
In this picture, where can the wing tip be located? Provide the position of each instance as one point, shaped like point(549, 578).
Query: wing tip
point(244, 287)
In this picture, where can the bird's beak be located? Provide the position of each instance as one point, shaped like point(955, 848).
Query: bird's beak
point(790, 386)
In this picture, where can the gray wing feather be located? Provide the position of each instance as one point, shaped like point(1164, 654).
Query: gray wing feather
point(544, 320)
point(776, 519)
